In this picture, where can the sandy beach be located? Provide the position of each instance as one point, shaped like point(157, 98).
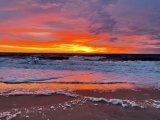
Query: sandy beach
point(86, 105)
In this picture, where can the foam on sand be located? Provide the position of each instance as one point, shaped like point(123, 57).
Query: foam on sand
point(122, 103)
point(8, 115)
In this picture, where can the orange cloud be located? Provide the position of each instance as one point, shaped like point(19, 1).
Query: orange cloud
point(62, 48)
point(67, 42)
point(133, 37)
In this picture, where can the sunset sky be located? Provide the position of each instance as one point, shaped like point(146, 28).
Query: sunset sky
point(80, 26)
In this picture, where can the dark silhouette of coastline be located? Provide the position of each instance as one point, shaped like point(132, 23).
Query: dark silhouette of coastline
point(65, 56)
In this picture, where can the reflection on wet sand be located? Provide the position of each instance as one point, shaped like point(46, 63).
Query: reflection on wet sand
point(60, 86)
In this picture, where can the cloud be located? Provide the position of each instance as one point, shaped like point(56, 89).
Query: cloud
point(93, 12)
point(137, 17)
point(149, 50)
point(107, 22)
point(113, 39)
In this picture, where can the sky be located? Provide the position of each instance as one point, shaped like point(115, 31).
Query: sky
point(80, 26)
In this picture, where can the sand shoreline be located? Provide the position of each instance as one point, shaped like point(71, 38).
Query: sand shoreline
point(62, 107)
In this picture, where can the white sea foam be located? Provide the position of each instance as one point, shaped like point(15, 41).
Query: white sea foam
point(122, 103)
point(127, 103)
point(8, 115)
point(155, 103)
point(20, 92)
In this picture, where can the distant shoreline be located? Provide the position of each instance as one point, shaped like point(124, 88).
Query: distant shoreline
point(65, 56)
point(79, 53)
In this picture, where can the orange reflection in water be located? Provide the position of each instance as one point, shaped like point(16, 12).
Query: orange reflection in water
point(57, 86)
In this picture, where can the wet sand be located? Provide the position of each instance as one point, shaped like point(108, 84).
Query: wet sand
point(62, 107)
